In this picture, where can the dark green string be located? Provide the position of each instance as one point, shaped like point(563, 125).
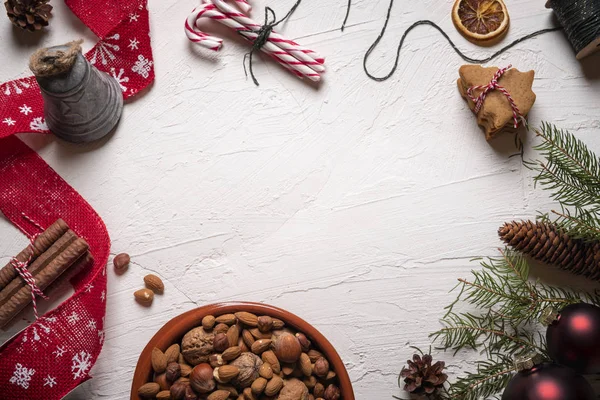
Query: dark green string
point(263, 36)
point(444, 34)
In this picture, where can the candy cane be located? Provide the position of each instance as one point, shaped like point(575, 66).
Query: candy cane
point(303, 54)
point(299, 62)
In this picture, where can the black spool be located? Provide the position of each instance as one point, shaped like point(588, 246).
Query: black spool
point(581, 21)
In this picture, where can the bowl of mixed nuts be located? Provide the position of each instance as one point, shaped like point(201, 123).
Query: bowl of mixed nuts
point(240, 351)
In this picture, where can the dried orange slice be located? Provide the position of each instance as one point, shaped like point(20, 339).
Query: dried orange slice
point(481, 21)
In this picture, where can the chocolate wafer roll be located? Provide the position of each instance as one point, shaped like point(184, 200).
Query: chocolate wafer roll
point(40, 245)
point(38, 265)
point(59, 264)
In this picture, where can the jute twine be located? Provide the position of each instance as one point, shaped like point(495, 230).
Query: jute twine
point(47, 62)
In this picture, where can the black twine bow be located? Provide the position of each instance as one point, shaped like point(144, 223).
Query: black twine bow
point(263, 36)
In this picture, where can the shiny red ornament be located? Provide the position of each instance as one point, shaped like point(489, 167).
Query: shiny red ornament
point(548, 381)
point(574, 338)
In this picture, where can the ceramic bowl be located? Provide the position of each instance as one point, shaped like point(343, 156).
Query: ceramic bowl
point(173, 331)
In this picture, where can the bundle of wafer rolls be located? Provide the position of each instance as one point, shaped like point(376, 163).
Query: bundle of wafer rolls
point(52, 253)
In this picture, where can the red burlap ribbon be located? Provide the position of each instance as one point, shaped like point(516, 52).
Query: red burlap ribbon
point(55, 354)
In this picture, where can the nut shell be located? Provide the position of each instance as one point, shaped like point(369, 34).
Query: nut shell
point(249, 365)
point(197, 345)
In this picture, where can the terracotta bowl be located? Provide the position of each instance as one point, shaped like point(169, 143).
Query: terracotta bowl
point(173, 331)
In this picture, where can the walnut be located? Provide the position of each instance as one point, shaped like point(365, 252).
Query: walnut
point(197, 345)
point(293, 389)
point(248, 364)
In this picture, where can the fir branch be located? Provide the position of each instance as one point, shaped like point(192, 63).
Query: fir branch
point(571, 170)
point(490, 378)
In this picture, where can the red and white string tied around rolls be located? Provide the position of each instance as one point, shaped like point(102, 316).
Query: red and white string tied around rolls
point(299, 60)
point(493, 85)
point(21, 268)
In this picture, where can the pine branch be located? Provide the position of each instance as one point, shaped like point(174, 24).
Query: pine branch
point(490, 379)
point(571, 170)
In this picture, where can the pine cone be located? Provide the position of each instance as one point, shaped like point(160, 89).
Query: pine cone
point(544, 242)
point(421, 377)
point(28, 14)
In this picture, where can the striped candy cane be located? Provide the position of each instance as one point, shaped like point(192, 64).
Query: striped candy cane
point(301, 61)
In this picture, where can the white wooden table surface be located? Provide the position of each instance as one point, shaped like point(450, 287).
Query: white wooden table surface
point(355, 205)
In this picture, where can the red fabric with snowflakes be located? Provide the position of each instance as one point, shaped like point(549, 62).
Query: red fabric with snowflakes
point(55, 354)
point(123, 51)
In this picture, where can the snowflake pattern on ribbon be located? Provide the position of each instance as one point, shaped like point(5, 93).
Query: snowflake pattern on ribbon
point(81, 363)
point(22, 376)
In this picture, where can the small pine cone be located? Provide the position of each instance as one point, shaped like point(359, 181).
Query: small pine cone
point(544, 242)
point(420, 377)
point(31, 15)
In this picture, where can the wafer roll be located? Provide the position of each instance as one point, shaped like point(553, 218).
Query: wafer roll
point(40, 245)
point(60, 264)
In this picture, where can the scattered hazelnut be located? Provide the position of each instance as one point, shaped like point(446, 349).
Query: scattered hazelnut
point(121, 262)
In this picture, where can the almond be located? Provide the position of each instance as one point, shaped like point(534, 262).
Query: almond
point(258, 386)
point(230, 388)
point(172, 353)
point(144, 296)
point(233, 334)
point(219, 395)
point(270, 358)
point(260, 335)
point(247, 318)
point(231, 353)
point(266, 371)
point(158, 360)
point(164, 395)
point(248, 395)
point(154, 283)
point(305, 364)
point(274, 386)
point(149, 390)
point(226, 373)
point(260, 346)
point(185, 370)
point(228, 319)
point(278, 324)
point(248, 338)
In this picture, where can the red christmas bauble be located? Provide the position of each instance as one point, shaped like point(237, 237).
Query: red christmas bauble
point(574, 339)
point(548, 382)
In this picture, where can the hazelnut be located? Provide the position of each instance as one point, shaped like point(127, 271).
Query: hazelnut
point(303, 340)
point(178, 390)
point(332, 393)
point(208, 322)
point(173, 372)
point(319, 390)
point(321, 367)
point(220, 343)
point(216, 360)
point(221, 328)
point(249, 364)
point(197, 345)
point(190, 394)
point(201, 378)
point(161, 379)
point(265, 323)
point(287, 348)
